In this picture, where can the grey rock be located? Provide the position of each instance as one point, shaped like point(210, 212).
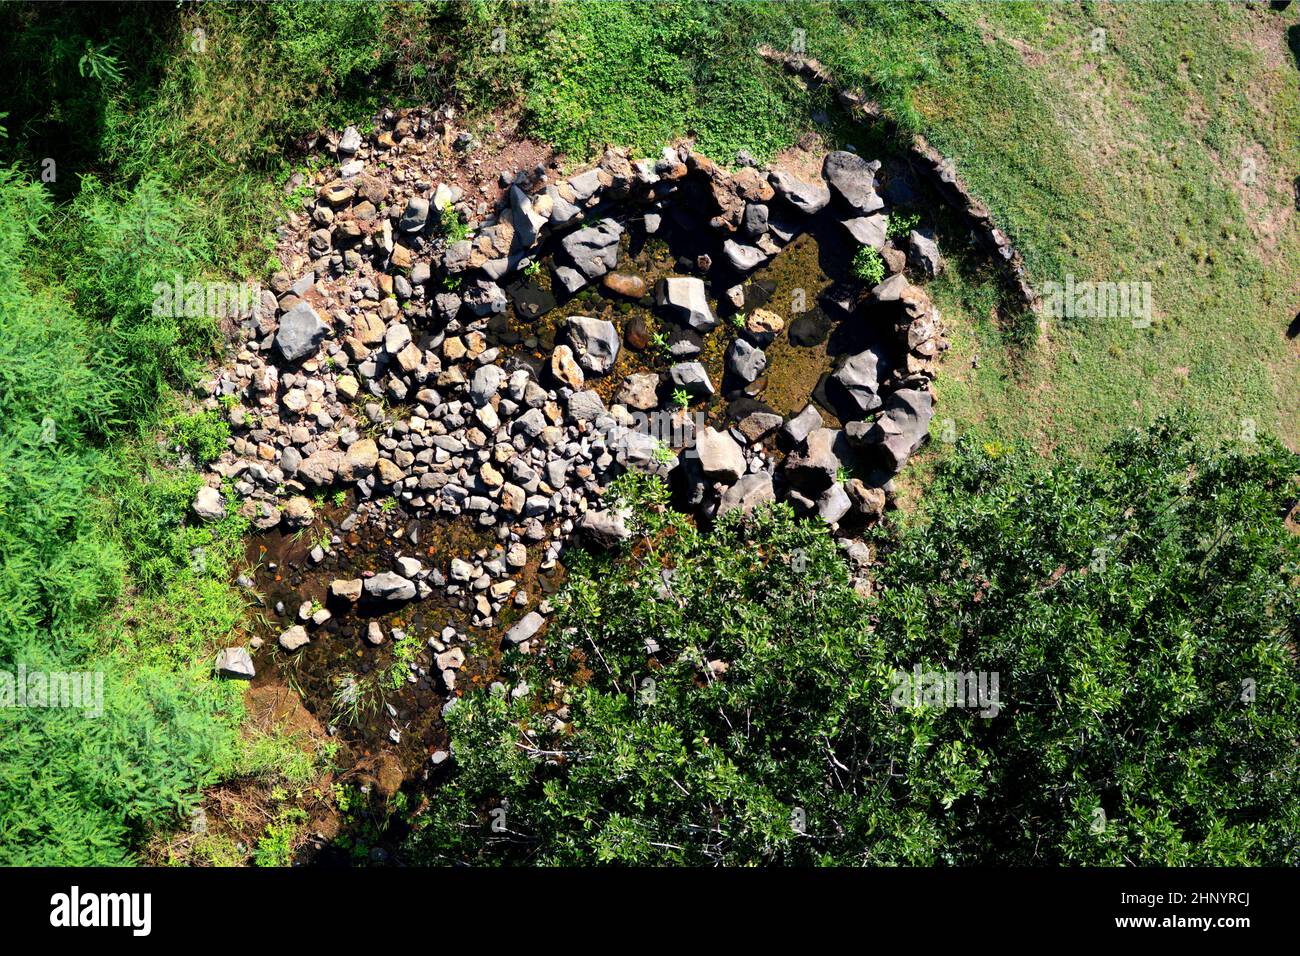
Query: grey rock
point(349, 142)
point(743, 258)
point(745, 361)
point(586, 406)
point(387, 586)
point(859, 377)
point(834, 504)
point(869, 230)
point(525, 628)
point(595, 343)
point(748, 493)
point(484, 383)
point(693, 377)
point(683, 299)
point(853, 179)
point(808, 198)
point(415, 216)
point(799, 427)
point(903, 426)
point(720, 457)
point(294, 638)
point(605, 529)
point(815, 467)
point(594, 249)
point(235, 662)
point(208, 504)
point(300, 333)
point(923, 251)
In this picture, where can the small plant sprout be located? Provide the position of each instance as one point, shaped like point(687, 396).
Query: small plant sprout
point(681, 397)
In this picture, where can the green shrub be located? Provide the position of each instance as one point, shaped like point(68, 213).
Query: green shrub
point(868, 267)
point(1122, 736)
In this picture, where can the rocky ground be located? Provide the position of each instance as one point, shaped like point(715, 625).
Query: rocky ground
point(392, 359)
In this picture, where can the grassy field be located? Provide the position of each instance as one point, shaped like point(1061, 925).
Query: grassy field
point(1114, 161)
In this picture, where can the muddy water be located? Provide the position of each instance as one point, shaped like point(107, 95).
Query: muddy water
point(384, 703)
point(364, 693)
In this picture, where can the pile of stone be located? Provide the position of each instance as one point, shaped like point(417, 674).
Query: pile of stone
point(373, 363)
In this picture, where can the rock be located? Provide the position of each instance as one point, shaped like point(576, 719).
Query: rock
point(743, 258)
point(639, 391)
point(923, 251)
point(720, 458)
point(853, 179)
point(683, 298)
point(633, 287)
point(346, 589)
point(320, 468)
point(208, 504)
point(594, 249)
point(415, 216)
point(763, 326)
point(586, 406)
point(565, 368)
point(808, 198)
point(859, 380)
point(605, 529)
point(387, 586)
point(870, 502)
point(484, 298)
point(527, 222)
point(298, 512)
point(815, 467)
point(484, 383)
point(692, 377)
point(799, 427)
point(374, 634)
point(834, 504)
point(525, 628)
point(294, 638)
point(758, 425)
point(748, 493)
point(636, 334)
point(300, 333)
point(409, 567)
point(595, 342)
point(235, 662)
point(349, 142)
point(869, 230)
point(684, 344)
point(745, 361)
point(755, 221)
point(359, 460)
point(903, 426)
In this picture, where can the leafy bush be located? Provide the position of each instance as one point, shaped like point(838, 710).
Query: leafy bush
point(1123, 673)
point(867, 266)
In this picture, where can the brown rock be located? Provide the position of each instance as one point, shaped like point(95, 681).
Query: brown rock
point(621, 284)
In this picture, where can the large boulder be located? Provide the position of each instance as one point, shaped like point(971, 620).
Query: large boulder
point(235, 662)
point(869, 230)
point(387, 586)
point(595, 342)
point(605, 529)
point(859, 381)
point(720, 457)
point(748, 493)
point(208, 504)
point(745, 361)
point(359, 461)
point(815, 467)
point(300, 333)
point(691, 377)
point(853, 179)
point(800, 426)
point(594, 249)
point(903, 425)
point(923, 251)
point(525, 628)
point(683, 299)
point(808, 198)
